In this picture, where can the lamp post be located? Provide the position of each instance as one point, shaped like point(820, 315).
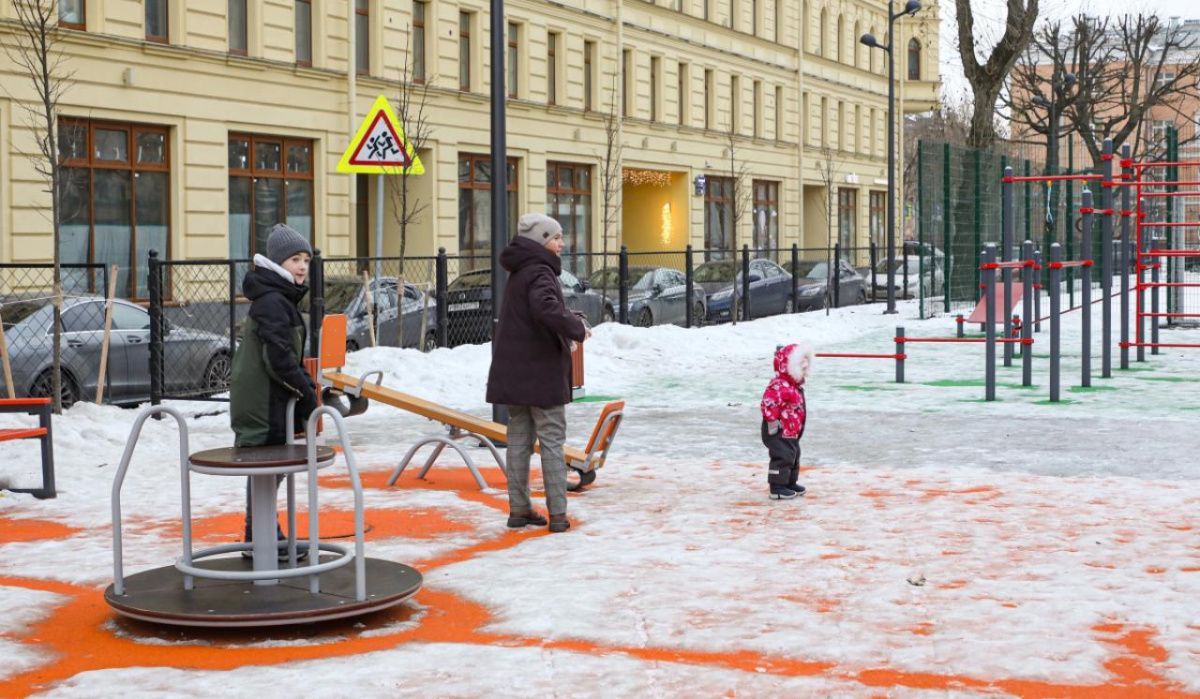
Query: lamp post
point(910, 8)
point(1058, 91)
point(499, 193)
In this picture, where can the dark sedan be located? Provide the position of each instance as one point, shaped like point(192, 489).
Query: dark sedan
point(813, 284)
point(656, 295)
point(770, 288)
point(469, 305)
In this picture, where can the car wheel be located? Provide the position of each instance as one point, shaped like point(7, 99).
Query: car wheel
point(607, 316)
point(351, 346)
point(218, 373)
point(431, 342)
point(43, 387)
point(645, 319)
point(698, 315)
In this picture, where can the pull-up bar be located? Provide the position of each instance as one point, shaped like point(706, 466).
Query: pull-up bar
point(1049, 178)
point(1144, 166)
point(1156, 195)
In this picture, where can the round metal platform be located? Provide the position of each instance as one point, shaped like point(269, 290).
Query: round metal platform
point(157, 596)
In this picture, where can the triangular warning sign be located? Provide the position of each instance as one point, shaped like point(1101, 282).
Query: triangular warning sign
point(380, 147)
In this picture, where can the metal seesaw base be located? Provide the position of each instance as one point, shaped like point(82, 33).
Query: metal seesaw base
point(158, 596)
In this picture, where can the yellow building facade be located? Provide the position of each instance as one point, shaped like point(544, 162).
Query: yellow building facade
point(191, 127)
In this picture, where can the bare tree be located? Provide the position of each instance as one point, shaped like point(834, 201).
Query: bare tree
point(739, 204)
point(987, 79)
point(610, 185)
point(411, 104)
point(34, 48)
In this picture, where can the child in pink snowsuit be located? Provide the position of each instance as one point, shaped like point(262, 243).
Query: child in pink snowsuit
point(783, 413)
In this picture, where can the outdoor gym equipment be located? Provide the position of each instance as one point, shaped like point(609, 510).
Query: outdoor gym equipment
point(232, 591)
point(42, 409)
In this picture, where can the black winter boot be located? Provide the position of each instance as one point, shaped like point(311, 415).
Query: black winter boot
point(559, 523)
point(782, 492)
point(516, 521)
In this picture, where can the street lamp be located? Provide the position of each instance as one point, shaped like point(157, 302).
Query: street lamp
point(910, 8)
point(1058, 91)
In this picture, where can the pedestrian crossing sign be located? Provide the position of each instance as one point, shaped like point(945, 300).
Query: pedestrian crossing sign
point(379, 147)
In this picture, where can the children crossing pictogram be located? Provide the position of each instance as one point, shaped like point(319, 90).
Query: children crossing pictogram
point(380, 147)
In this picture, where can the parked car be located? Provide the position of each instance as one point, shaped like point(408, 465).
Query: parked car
point(398, 324)
point(194, 362)
point(813, 285)
point(909, 283)
point(770, 288)
point(469, 304)
point(656, 295)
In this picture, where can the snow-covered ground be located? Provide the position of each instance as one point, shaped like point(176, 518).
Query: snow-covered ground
point(946, 544)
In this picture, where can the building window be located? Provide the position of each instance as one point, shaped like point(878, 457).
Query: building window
point(589, 62)
point(914, 59)
point(464, 51)
point(304, 32)
point(839, 46)
point(877, 205)
point(270, 182)
point(822, 30)
point(766, 215)
point(655, 80)
point(778, 20)
point(553, 44)
point(857, 129)
point(420, 7)
point(569, 201)
point(156, 21)
point(709, 98)
point(626, 82)
point(707, 3)
point(805, 120)
point(871, 54)
point(684, 91)
point(513, 58)
point(856, 47)
point(842, 141)
point(116, 201)
point(779, 116)
point(235, 20)
point(754, 18)
point(362, 36)
point(758, 110)
point(718, 218)
point(735, 104)
point(475, 208)
point(733, 13)
point(72, 14)
point(823, 122)
point(847, 218)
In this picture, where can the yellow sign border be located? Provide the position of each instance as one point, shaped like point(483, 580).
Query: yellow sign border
point(381, 105)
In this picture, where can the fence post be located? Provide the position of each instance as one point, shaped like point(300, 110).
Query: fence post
point(745, 282)
point(948, 249)
point(795, 277)
point(233, 309)
point(154, 287)
point(1007, 229)
point(988, 280)
point(1106, 259)
point(1126, 204)
point(440, 281)
point(1037, 288)
point(316, 316)
point(623, 286)
point(834, 278)
point(1069, 234)
point(689, 287)
point(874, 256)
point(1055, 304)
point(1085, 300)
point(900, 354)
point(1027, 314)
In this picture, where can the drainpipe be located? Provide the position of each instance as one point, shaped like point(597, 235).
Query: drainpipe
point(351, 120)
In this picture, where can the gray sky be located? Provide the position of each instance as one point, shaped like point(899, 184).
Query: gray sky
point(989, 25)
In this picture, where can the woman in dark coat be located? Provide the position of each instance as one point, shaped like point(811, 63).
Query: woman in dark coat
point(531, 367)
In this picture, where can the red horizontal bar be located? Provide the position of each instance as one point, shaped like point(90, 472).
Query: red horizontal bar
point(1166, 164)
point(1170, 194)
point(1160, 344)
point(1146, 285)
point(1170, 224)
point(842, 355)
point(1156, 183)
point(21, 433)
point(1019, 340)
point(23, 402)
point(1071, 263)
point(1010, 265)
point(1171, 253)
point(1050, 178)
point(1170, 315)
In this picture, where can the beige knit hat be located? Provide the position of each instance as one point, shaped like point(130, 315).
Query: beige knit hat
point(539, 228)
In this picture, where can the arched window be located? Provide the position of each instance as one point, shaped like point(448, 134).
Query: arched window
point(838, 42)
point(856, 47)
point(914, 59)
point(823, 28)
point(871, 53)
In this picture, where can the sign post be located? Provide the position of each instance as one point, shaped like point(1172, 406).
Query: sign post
point(380, 148)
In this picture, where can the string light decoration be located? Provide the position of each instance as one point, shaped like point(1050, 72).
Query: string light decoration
point(650, 178)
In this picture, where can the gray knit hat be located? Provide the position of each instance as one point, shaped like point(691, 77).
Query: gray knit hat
point(283, 242)
point(539, 228)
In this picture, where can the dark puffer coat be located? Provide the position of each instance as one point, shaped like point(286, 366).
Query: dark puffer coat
point(531, 355)
point(268, 366)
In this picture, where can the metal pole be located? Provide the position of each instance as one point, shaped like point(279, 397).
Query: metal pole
point(689, 287)
point(946, 247)
point(891, 166)
point(796, 277)
point(623, 286)
point(154, 288)
point(900, 354)
point(1007, 228)
point(745, 282)
point(1027, 315)
point(1140, 332)
point(988, 275)
point(1037, 293)
point(1055, 322)
point(316, 305)
point(1085, 275)
point(834, 277)
point(1106, 266)
point(441, 277)
point(1126, 203)
point(499, 184)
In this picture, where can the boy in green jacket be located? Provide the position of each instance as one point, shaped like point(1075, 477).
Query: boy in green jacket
point(268, 365)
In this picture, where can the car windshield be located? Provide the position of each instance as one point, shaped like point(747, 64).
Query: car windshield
point(609, 277)
point(473, 280)
point(16, 311)
point(716, 271)
point(812, 270)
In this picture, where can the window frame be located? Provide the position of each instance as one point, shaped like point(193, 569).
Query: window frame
point(419, 48)
point(913, 66)
point(307, 63)
point(81, 25)
point(254, 173)
point(553, 48)
point(555, 192)
point(245, 36)
point(464, 50)
point(765, 193)
point(589, 78)
point(512, 78)
point(513, 188)
point(165, 38)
